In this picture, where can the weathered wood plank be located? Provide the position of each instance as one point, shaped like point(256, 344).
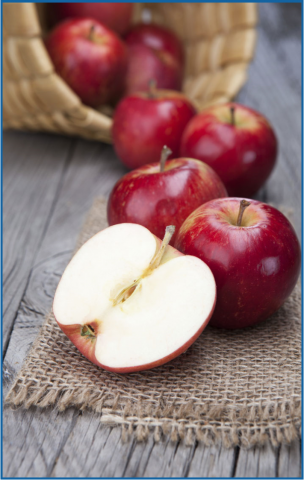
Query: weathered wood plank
point(213, 462)
point(168, 459)
point(281, 23)
point(257, 462)
point(273, 89)
point(87, 448)
point(35, 304)
point(284, 461)
point(138, 460)
point(32, 169)
point(32, 440)
point(84, 178)
point(289, 462)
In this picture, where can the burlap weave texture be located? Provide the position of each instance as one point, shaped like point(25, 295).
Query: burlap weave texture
point(239, 387)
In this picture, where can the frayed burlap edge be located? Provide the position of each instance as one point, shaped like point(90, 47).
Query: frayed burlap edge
point(255, 424)
point(212, 425)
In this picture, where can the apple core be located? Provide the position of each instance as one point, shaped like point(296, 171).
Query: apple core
point(127, 292)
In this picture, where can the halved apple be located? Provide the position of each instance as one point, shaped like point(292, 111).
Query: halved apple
point(130, 302)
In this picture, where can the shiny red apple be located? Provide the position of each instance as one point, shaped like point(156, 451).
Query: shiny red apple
point(144, 122)
point(237, 142)
point(157, 38)
point(90, 58)
point(253, 253)
point(155, 53)
point(158, 194)
point(130, 302)
point(116, 16)
point(146, 64)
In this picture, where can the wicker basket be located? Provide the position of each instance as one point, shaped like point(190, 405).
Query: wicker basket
point(219, 40)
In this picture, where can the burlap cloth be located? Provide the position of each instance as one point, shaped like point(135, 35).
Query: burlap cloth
point(239, 387)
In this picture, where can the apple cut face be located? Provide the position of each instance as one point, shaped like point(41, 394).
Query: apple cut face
point(126, 314)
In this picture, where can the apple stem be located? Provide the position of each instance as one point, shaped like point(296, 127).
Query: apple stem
point(91, 33)
point(243, 205)
point(166, 152)
point(159, 255)
point(232, 111)
point(152, 88)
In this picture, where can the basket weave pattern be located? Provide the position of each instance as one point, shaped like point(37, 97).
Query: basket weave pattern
point(219, 41)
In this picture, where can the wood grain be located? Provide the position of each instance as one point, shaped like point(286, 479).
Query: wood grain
point(257, 462)
point(289, 460)
point(274, 89)
point(32, 173)
point(214, 461)
point(84, 178)
point(49, 185)
point(33, 439)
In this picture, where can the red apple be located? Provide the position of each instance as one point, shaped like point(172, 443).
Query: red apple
point(158, 38)
point(155, 53)
point(144, 122)
point(90, 58)
point(237, 142)
point(146, 64)
point(253, 253)
point(156, 195)
point(116, 16)
point(130, 302)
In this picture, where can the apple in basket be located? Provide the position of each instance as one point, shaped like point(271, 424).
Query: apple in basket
point(156, 53)
point(145, 63)
point(159, 193)
point(116, 16)
point(144, 122)
point(90, 58)
point(253, 252)
point(130, 302)
point(237, 142)
point(158, 38)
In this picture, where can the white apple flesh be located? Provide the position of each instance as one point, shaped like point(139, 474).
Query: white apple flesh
point(130, 302)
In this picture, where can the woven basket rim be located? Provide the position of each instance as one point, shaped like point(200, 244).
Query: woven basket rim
point(75, 117)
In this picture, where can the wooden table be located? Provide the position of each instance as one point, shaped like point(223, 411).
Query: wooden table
point(49, 185)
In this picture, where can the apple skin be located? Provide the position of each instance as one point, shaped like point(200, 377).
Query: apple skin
point(255, 267)
point(146, 64)
point(157, 38)
point(144, 122)
point(243, 154)
point(92, 64)
point(116, 16)
point(86, 345)
point(155, 53)
point(156, 199)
